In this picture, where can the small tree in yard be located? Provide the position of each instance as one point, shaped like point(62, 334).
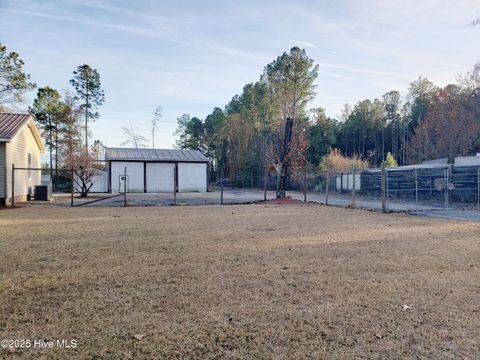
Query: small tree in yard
point(84, 168)
point(82, 163)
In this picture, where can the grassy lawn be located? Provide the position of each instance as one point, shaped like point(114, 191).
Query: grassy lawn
point(239, 282)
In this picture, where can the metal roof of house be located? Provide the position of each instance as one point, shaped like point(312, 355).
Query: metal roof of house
point(11, 123)
point(132, 154)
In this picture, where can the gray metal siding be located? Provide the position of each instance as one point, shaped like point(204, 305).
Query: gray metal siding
point(192, 177)
point(135, 181)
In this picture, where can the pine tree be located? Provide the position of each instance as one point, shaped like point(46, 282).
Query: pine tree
point(86, 82)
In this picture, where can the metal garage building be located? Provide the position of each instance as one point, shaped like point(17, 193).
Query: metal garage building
point(154, 170)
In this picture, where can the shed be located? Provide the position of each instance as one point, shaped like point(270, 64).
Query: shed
point(21, 145)
point(154, 170)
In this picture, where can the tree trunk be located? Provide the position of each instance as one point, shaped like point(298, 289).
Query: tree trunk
point(86, 124)
point(56, 150)
point(50, 145)
point(282, 180)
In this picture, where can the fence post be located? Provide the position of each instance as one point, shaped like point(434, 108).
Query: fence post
point(175, 183)
point(265, 184)
point(447, 177)
point(13, 185)
point(383, 188)
point(221, 182)
point(125, 186)
point(326, 189)
point(478, 188)
point(304, 185)
point(386, 187)
point(72, 187)
point(416, 189)
point(354, 190)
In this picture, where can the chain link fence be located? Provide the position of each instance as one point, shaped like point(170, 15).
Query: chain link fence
point(52, 186)
point(401, 189)
point(411, 188)
point(29, 183)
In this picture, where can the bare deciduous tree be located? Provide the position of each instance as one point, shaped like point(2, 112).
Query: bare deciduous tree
point(475, 22)
point(450, 128)
point(155, 121)
point(133, 138)
point(84, 169)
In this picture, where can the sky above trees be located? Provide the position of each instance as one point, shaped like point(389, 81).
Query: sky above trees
point(191, 56)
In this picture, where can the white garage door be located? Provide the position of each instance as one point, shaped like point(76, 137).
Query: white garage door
point(134, 176)
point(192, 177)
point(160, 177)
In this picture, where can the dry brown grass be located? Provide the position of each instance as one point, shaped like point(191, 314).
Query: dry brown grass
point(239, 282)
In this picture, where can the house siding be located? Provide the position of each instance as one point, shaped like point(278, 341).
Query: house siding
point(17, 153)
point(3, 170)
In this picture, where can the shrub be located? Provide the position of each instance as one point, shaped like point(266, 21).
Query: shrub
point(337, 163)
point(390, 160)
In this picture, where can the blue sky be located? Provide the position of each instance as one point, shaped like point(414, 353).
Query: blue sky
point(190, 56)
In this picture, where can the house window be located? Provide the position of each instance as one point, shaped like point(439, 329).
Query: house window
point(29, 161)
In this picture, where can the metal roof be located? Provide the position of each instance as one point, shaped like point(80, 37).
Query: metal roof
point(11, 123)
point(133, 154)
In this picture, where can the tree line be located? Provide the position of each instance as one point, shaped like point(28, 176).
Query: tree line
point(246, 135)
point(63, 119)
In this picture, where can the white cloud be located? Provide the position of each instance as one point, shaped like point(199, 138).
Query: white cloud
point(169, 34)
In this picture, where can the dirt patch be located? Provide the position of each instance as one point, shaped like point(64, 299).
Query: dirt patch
point(238, 282)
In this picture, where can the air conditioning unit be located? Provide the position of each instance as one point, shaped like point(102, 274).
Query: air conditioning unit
point(43, 192)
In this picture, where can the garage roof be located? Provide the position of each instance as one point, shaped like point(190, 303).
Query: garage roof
point(165, 155)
